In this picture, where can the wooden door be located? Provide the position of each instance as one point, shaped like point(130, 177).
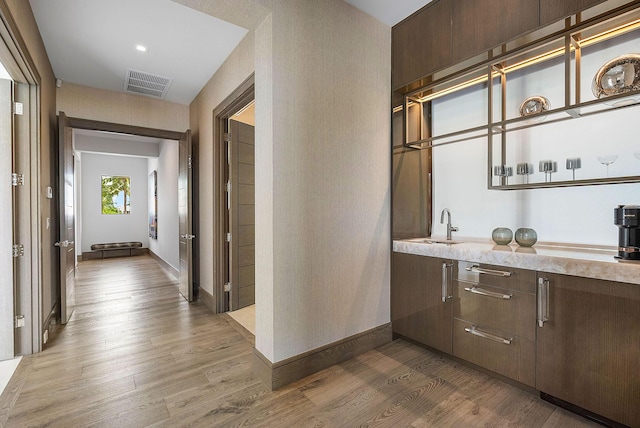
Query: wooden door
point(66, 214)
point(185, 177)
point(588, 349)
point(241, 214)
point(6, 222)
point(421, 307)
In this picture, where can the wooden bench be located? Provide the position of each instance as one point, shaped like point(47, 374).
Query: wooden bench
point(111, 246)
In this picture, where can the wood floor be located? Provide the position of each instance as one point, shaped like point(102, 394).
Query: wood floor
point(136, 354)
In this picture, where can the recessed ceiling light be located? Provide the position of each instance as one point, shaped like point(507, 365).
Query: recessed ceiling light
point(141, 48)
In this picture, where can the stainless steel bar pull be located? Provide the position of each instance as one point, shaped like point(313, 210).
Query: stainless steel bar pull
point(543, 301)
point(445, 283)
point(476, 332)
point(478, 269)
point(476, 290)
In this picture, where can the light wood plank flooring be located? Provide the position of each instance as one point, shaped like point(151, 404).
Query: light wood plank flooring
point(136, 354)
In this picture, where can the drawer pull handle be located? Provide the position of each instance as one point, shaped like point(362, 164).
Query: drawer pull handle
point(445, 282)
point(473, 330)
point(478, 269)
point(543, 301)
point(476, 290)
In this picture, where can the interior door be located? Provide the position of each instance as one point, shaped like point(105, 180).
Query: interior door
point(185, 177)
point(67, 220)
point(241, 201)
point(6, 223)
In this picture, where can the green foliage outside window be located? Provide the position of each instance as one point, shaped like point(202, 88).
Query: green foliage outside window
point(116, 194)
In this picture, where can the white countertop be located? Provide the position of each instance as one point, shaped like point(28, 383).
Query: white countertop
point(580, 260)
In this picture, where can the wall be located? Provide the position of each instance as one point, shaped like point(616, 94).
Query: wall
point(99, 228)
point(236, 69)
point(582, 215)
point(166, 246)
point(322, 176)
point(116, 107)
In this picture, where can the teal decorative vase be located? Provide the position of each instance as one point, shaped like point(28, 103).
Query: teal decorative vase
point(502, 235)
point(526, 237)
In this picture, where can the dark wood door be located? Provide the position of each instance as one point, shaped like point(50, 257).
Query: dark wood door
point(421, 44)
point(185, 177)
point(241, 214)
point(66, 242)
point(6, 222)
point(588, 351)
point(419, 284)
point(480, 25)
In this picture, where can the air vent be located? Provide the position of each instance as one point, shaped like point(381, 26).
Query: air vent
point(146, 83)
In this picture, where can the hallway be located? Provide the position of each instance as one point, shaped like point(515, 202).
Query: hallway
point(135, 353)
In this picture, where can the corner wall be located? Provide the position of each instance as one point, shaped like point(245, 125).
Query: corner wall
point(236, 69)
point(322, 176)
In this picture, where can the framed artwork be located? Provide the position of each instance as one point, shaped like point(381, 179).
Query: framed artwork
point(153, 205)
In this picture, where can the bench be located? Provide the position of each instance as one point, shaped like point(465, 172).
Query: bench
point(116, 246)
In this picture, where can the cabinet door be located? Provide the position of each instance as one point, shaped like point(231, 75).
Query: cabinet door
point(417, 309)
point(421, 44)
point(554, 10)
point(588, 352)
point(480, 25)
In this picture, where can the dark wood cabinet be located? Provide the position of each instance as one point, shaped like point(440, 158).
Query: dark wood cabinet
point(480, 25)
point(421, 44)
point(495, 318)
point(411, 187)
point(588, 350)
point(417, 308)
point(554, 10)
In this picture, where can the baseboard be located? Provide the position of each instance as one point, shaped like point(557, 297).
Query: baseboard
point(208, 300)
point(277, 375)
point(164, 264)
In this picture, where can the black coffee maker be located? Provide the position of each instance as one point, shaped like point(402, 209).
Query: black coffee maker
point(627, 218)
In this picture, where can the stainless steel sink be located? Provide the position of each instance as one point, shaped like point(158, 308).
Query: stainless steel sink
point(434, 241)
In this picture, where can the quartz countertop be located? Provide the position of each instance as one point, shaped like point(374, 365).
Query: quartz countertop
point(579, 260)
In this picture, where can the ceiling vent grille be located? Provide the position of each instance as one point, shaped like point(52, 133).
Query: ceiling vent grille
point(146, 83)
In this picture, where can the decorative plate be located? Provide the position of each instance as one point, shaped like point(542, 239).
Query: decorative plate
point(620, 75)
point(534, 105)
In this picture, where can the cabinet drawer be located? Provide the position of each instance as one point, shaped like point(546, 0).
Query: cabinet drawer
point(506, 310)
point(515, 360)
point(498, 276)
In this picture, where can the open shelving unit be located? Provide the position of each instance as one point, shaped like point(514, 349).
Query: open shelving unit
point(557, 56)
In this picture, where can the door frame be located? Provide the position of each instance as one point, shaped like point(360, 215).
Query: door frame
point(28, 230)
point(96, 125)
point(239, 98)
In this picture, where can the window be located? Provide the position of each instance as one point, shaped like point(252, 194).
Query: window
point(116, 194)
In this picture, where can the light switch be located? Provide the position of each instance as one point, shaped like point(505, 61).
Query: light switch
point(48, 223)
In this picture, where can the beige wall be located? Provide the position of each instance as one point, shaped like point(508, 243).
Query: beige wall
point(322, 176)
point(117, 107)
point(27, 28)
point(236, 69)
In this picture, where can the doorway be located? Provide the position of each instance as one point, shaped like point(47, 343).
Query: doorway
point(234, 185)
point(183, 240)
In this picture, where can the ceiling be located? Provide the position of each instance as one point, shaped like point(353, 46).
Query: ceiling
point(93, 42)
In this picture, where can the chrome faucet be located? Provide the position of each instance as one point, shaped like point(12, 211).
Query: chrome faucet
point(449, 227)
